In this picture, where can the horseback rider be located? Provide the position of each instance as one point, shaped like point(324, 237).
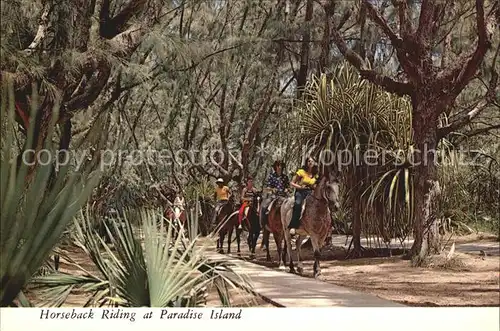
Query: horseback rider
point(222, 195)
point(303, 182)
point(178, 202)
point(247, 195)
point(277, 185)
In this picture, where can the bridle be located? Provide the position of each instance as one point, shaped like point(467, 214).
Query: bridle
point(323, 195)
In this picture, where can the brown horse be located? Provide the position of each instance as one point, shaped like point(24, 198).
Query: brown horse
point(226, 221)
point(315, 219)
point(252, 222)
point(275, 227)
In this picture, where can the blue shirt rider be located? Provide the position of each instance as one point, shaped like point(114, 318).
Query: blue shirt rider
point(277, 184)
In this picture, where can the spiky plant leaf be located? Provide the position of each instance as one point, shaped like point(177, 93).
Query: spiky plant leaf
point(37, 205)
point(150, 266)
point(352, 117)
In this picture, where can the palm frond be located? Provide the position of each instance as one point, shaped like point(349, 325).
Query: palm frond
point(152, 266)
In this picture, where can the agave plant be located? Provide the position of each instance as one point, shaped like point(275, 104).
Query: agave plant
point(145, 265)
point(37, 205)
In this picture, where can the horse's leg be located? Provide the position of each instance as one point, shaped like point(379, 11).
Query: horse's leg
point(283, 252)
point(285, 214)
point(229, 235)
point(256, 236)
point(278, 239)
point(298, 245)
point(238, 239)
point(262, 224)
point(257, 233)
point(288, 240)
point(317, 256)
point(265, 242)
point(249, 238)
point(221, 241)
point(255, 230)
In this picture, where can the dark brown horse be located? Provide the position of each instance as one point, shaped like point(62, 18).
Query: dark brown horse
point(226, 221)
point(275, 227)
point(252, 221)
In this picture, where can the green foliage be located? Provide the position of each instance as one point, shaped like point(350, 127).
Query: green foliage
point(369, 132)
point(37, 206)
point(203, 190)
point(470, 181)
point(349, 114)
point(147, 265)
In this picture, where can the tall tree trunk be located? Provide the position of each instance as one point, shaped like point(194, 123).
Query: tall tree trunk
point(356, 212)
point(305, 49)
point(426, 236)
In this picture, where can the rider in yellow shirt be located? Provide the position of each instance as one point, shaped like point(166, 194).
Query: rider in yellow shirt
point(303, 182)
point(222, 191)
point(222, 195)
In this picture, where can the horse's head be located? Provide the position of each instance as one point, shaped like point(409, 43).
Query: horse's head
point(177, 212)
point(329, 189)
point(257, 198)
point(178, 206)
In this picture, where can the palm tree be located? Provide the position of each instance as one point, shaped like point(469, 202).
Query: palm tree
point(365, 127)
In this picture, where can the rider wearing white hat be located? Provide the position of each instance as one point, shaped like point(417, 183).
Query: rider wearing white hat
point(222, 194)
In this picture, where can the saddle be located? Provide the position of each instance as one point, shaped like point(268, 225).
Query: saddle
point(219, 207)
point(276, 198)
point(247, 208)
point(299, 229)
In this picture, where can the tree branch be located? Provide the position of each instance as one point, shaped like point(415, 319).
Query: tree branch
point(461, 74)
point(353, 58)
point(396, 40)
point(405, 27)
point(474, 112)
point(101, 70)
point(425, 20)
point(110, 27)
point(482, 47)
point(480, 131)
point(404, 48)
point(127, 42)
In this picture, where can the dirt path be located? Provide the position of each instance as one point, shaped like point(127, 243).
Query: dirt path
point(471, 278)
